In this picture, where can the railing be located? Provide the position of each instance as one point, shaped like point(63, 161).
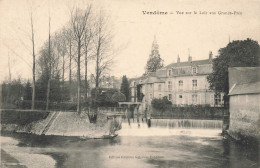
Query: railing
point(112, 109)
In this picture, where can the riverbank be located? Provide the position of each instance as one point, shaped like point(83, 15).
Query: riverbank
point(14, 156)
point(68, 124)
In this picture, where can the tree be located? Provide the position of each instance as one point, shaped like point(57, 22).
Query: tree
point(49, 67)
point(118, 97)
point(28, 91)
point(161, 104)
point(102, 48)
point(238, 53)
point(79, 23)
point(125, 88)
point(154, 62)
point(33, 54)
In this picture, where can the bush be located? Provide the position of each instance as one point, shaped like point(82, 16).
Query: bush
point(189, 112)
point(161, 104)
point(41, 105)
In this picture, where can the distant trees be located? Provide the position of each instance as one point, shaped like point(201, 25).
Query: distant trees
point(12, 92)
point(154, 62)
point(125, 88)
point(28, 91)
point(238, 53)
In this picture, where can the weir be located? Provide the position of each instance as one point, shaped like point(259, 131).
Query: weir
point(187, 123)
point(177, 123)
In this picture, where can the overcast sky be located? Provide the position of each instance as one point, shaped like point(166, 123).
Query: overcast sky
point(133, 31)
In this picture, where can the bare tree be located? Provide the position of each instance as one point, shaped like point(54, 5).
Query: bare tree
point(50, 68)
point(33, 69)
point(103, 48)
point(68, 38)
point(79, 22)
point(88, 55)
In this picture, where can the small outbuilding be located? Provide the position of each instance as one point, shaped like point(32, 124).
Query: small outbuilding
point(244, 94)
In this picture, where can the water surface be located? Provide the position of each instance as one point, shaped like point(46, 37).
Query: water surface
point(140, 146)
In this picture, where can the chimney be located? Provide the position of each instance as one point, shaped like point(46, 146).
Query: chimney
point(178, 59)
point(210, 56)
point(190, 58)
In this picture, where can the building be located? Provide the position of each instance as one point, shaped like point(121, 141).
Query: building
point(183, 83)
point(106, 82)
point(244, 102)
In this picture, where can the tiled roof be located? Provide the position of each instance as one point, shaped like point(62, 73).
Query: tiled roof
point(244, 80)
point(192, 63)
point(247, 88)
point(153, 80)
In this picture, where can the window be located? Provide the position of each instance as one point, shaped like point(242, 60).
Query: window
point(170, 97)
point(180, 96)
point(169, 85)
point(217, 99)
point(180, 84)
point(194, 70)
point(169, 72)
point(194, 84)
point(194, 98)
point(159, 87)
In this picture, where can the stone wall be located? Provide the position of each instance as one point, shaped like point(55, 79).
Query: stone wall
point(245, 116)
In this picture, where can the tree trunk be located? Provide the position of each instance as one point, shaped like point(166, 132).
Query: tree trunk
point(79, 81)
point(63, 71)
point(70, 72)
point(49, 80)
point(86, 76)
point(33, 53)
point(48, 94)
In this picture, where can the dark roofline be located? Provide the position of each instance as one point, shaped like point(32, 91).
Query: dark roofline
point(187, 63)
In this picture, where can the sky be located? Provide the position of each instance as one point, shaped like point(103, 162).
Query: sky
point(134, 31)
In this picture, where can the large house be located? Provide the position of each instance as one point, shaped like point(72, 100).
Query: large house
point(183, 83)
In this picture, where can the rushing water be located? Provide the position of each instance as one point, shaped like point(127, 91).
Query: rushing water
point(167, 143)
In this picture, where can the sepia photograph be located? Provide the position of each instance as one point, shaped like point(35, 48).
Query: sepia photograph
point(129, 83)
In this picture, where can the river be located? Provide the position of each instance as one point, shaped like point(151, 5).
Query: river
point(167, 143)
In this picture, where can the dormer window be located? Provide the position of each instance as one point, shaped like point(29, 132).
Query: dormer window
point(169, 72)
point(194, 70)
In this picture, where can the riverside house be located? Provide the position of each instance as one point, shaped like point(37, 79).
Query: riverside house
point(244, 107)
point(183, 83)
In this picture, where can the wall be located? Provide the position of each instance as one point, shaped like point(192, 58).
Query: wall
point(245, 115)
point(21, 117)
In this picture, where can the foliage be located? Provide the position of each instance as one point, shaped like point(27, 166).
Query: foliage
point(139, 94)
point(125, 88)
point(12, 91)
point(161, 104)
point(28, 91)
point(190, 112)
point(238, 53)
point(40, 105)
point(154, 62)
point(103, 97)
point(118, 97)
